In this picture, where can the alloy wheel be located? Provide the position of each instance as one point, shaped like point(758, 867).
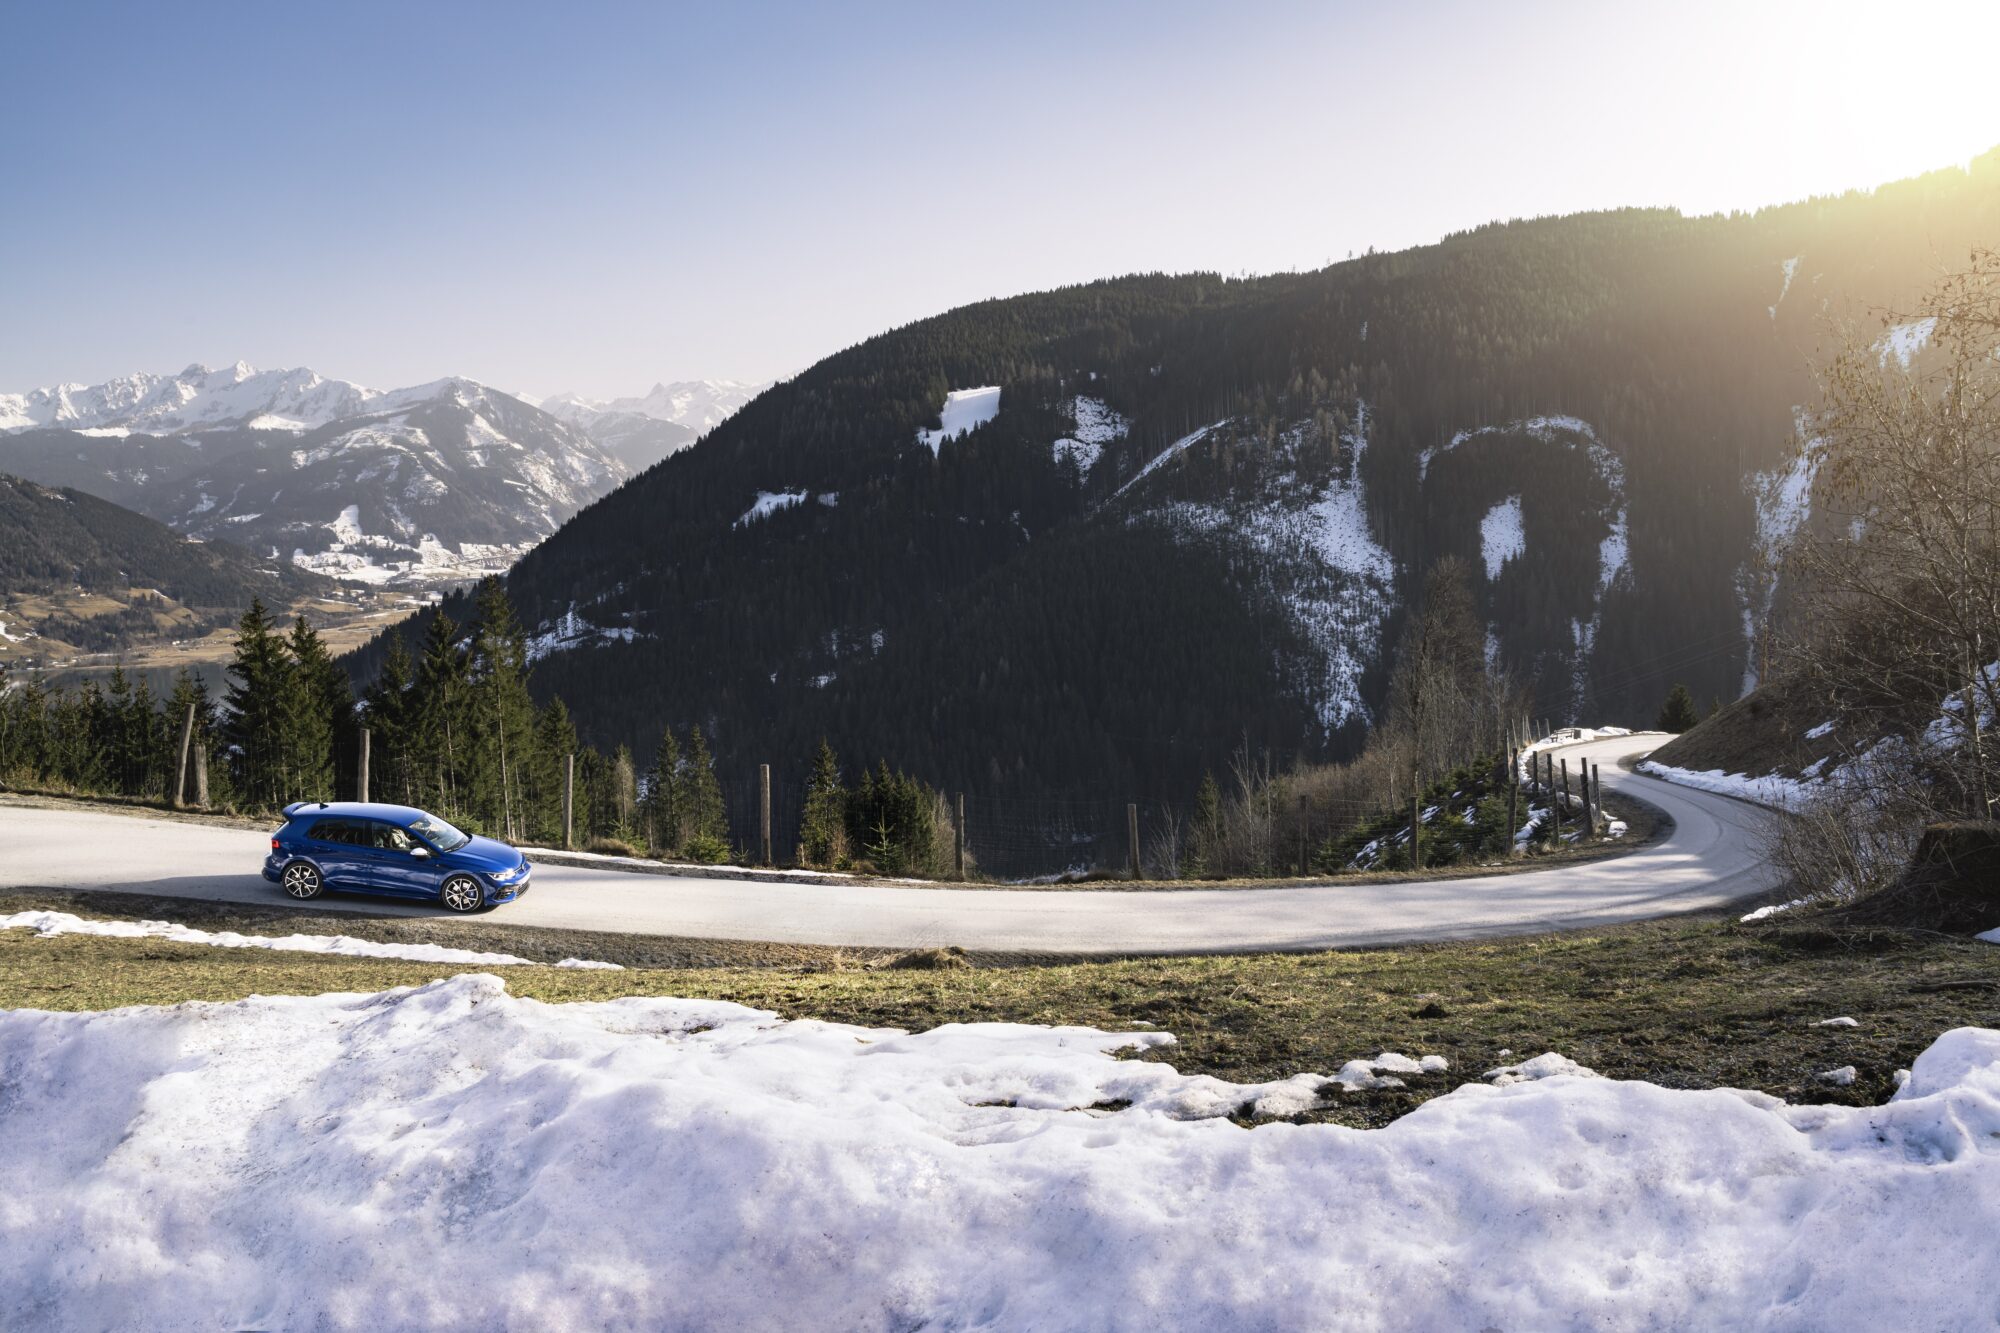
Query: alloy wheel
point(461, 894)
point(301, 880)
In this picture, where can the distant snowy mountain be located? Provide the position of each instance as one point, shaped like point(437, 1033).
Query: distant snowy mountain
point(196, 399)
point(641, 431)
point(429, 485)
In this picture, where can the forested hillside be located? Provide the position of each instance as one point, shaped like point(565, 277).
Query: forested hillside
point(1202, 509)
point(82, 574)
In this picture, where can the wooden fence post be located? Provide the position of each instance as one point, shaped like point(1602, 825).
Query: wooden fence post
point(181, 769)
point(1416, 832)
point(1132, 834)
point(1597, 816)
point(1305, 822)
point(958, 841)
point(569, 801)
point(361, 769)
point(201, 775)
point(764, 811)
point(1513, 800)
point(1564, 800)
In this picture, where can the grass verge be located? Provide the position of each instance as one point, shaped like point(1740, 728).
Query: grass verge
point(1687, 1002)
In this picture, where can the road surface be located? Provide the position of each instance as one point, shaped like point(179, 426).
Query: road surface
point(1711, 856)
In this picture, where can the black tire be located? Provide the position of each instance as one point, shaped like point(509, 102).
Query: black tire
point(461, 893)
point(302, 881)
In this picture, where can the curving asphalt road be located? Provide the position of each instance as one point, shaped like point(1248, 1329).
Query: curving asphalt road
point(1711, 856)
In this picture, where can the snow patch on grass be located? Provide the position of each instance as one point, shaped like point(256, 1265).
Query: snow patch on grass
point(48, 925)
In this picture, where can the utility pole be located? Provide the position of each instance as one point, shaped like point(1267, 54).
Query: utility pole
point(1132, 834)
point(361, 770)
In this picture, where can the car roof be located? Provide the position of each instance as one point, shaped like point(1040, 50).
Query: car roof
point(395, 814)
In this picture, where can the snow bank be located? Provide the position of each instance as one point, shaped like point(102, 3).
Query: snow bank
point(47, 925)
point(452, 1157)
point(1780, 793)
point(964, 410)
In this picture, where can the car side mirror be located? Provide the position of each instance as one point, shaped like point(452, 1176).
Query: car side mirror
point(421, 853)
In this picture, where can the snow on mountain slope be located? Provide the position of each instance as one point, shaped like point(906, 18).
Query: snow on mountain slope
point(1783, 497)
point(452, 1156)
point(1311, 550)
point(964, 410)
point(1501, 536)
point(433, 484)
point(1094, 425)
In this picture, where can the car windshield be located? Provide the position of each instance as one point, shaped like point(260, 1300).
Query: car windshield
point(438, 833)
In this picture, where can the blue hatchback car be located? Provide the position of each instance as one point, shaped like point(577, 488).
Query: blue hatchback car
point(392, 850)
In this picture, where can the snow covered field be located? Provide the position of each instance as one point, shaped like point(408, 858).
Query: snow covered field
point(453, 1157)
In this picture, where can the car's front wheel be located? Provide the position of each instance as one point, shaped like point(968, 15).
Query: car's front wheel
point(302, 881)
point(461, 894)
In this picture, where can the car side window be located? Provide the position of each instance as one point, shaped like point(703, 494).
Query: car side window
point(389, 838)
point(331, 830)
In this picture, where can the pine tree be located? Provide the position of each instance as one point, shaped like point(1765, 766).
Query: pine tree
point(386, 706)
point(501, 711)
point(823, 831)
point(555, 741)
point(261, 699)
point(1678, 714)
point(662, 805)
point(438, 731)
point(706, 819)
point(322, 702)
point(1205, 827)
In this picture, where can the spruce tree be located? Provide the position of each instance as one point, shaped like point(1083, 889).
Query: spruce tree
point(323, 704)
point(1678, 713)
point(386, 708)
point(502, 712)
point(663, 806)
point(706, 819)
point(822, 830)
point(436, 731)
point(262, 711)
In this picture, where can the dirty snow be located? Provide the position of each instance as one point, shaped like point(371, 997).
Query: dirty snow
point(1841, 1022)
point(1501, 536)
point(453, 1157)
point(965, 410)
point(1546, 1065)
point(48, 925)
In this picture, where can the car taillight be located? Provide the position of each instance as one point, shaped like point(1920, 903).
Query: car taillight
point(274, 842)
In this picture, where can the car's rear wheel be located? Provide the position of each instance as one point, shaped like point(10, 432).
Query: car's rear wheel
point(302, 881)
point(461, 894)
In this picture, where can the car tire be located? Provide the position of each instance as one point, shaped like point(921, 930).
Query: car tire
point(302, 881)
point(461, 893)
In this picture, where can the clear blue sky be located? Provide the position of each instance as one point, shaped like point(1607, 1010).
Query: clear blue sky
point(595, 196)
